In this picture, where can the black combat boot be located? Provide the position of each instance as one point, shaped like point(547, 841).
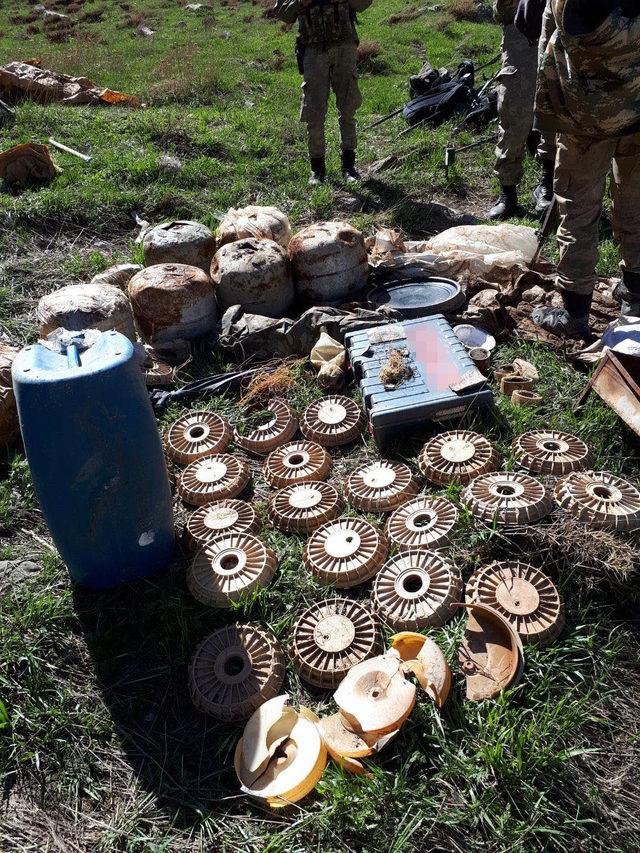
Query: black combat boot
point(349, 167)
point(572, 321)
point(507, 204)
point(318, 171)
point(543, 193)
point(627, 292)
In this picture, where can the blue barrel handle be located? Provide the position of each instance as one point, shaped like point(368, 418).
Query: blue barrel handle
point(73, 356)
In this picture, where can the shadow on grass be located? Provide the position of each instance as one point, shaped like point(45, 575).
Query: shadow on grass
point(141, 638)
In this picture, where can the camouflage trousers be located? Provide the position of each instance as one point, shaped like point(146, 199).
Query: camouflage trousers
point(324, 70)
point(516, 100)
point(582, 166)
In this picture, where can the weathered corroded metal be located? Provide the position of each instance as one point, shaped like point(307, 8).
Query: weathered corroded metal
point(329, 261)
point(181, 242)
point(264, 223)
point(254, 274)
point(86, 306)
point(173, 302)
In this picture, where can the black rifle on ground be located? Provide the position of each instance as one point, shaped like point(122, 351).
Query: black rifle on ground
point(549, 225)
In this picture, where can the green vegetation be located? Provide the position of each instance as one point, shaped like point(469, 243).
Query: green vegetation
point(100, 747)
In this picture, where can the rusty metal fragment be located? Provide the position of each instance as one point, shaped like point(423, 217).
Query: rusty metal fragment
point(616, 380)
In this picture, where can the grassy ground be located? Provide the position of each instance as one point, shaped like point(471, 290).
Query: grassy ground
point(100, 747)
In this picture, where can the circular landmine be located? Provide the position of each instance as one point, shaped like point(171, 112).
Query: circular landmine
point(345, 552)
point(195, 435)
point(332, 421)
point(423, 522)
point(380, 486)
point(505, 497)
point(331, 637)
point(275, 430)
point(600, 499)
point(458, 457)
point(296, 462)
point(303, 507)
point(213, 478)
point(234, 671)
point(219, 518)
point(523, 595)
point(416, 589)
point(230, 567)
point(551, 452)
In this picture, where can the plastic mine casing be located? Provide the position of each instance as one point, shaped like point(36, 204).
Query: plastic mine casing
point(96, 459)
point(445, 384)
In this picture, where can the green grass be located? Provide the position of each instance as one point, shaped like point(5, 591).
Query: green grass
point(100, 746)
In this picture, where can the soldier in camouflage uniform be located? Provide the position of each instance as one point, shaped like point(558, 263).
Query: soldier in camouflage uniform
point(589, 93)
point(516, 96)
point(329, 40)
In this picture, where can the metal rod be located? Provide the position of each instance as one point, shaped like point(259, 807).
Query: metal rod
point(85, 157)
point(384, 118)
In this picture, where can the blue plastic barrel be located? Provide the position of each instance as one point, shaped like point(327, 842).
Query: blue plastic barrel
point(96, 459)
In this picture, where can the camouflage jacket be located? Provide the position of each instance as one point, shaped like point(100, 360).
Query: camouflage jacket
point(322, 22)
point(589, 85)
point(504, 11)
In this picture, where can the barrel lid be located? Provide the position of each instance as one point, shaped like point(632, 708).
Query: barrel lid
point(432, 295)
point(40, 363)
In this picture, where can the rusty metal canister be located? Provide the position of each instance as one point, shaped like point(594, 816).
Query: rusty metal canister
point(329, 262)
point(182, 242)
point(255, 274)
point(173, 302)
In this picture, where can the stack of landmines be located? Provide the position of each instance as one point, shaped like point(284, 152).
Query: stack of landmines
point(239, 670)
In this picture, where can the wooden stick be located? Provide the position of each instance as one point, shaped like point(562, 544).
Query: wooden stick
point(85, 157)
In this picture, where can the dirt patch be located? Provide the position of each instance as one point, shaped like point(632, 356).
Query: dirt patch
point(180, 143)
